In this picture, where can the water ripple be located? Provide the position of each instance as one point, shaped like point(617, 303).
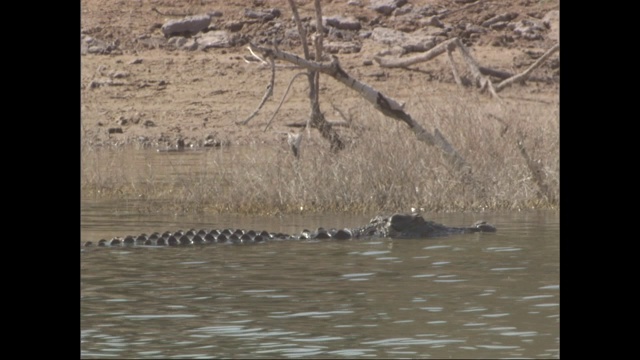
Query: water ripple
point(520, 333)
point(350, 352)
point(550, 287)
point(495, 315)
point(433, 247)
point(411, 341)
point(167, 316)
point(536, 297)
point(311, 314)
point(503, 248)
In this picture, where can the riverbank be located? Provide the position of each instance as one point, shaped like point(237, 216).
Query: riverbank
point(142, 98)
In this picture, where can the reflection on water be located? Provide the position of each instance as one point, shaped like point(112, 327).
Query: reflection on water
point(465, 296)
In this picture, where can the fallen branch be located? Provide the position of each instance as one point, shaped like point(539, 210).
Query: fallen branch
point(525, 74)
point(425, 56)
point(448, 46)
point(495, 73)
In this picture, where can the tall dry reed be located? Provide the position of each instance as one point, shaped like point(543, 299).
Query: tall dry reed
point(383, 168)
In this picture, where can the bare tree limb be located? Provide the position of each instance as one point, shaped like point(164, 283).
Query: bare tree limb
point(534, 168)
point(525, 74)
point(452, 63)
point(268, 93)
point(447, 46)
point(482, 81)
point(476, 70)
point(282, 100)
point(301, 31)
point(319, 31)
point(316, 118)
point(495, 73)
point(425, 56)
point(382, 103)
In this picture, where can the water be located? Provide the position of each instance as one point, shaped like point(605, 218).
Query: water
point(464, 296)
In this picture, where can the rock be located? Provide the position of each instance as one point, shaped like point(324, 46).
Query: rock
point(506, 17)
point(341, 47)
point(386, 7)
point(151, 41)
point(413, 42)
point(530, 30)
point(474, 29)
point(183, 43)
point(119, 74)
point(213, 39)
point(263, 15)
point(291, 33)
point(187, 26)
point(190, 45)
point(552, 21)
point(177, 41)
point(342, 23)
point(234, 26)
point(91, 45)
point(399, 11)
point(434, 21)
point(499, 25)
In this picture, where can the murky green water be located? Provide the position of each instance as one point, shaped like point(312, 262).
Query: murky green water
point(465, 296)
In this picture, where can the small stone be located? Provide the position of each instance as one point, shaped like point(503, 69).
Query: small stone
point(187, 26)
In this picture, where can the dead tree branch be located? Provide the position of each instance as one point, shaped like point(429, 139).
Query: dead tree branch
point(483, 82)
point(448, 46)
point(425, 56)
point(454, 69)
point(282, 100)
point(382, 103)
point(268, 93)
point(478, 72)
point(525, 74)
point(535, 169)
point(316, 118)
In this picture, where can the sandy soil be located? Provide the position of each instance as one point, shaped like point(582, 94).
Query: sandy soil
point(148, 94)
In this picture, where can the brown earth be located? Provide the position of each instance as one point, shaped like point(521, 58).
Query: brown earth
point(145, 93)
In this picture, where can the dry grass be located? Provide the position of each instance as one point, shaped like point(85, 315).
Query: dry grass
point(383, 169)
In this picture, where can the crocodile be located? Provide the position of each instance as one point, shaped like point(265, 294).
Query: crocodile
point(396, 226)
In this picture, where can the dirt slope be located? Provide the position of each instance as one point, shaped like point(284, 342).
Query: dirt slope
point(137, 88)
